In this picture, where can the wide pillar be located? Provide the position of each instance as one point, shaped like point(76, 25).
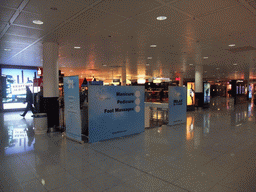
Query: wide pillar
point(181, 79)
point(199, 95)
point(51, 83)
point(123, 77)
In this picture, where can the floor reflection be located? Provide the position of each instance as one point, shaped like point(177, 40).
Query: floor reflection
point(20, 134)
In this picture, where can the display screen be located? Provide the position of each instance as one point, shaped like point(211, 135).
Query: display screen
point(190, 93)
point(207, 92)
point(15, 90)
point(250, 92)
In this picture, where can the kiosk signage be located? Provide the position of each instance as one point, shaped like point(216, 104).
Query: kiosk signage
point(207, 93)
point(190, 93)
point(72, 108)
point(115, 111)
point(177, 105)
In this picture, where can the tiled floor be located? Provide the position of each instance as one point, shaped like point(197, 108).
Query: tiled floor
point(213, 151)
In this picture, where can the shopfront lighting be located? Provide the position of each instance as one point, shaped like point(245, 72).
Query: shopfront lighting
point(38, 22)
point(161, 18)
point(205, 57)
point(77, 47)
point(232, 45)
point(152, 45)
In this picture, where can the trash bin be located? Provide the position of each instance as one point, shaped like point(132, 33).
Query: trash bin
point(40, 123)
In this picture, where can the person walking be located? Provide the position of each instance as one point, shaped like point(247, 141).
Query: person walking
point(29, 100)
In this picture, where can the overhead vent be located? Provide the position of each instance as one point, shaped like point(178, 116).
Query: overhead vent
point(241, 49)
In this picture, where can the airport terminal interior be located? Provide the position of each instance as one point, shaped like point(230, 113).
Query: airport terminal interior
point(128, 95)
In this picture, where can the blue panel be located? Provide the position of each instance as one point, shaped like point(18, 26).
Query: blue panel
point(72, 107)
point(115, 111)
point(177, 105)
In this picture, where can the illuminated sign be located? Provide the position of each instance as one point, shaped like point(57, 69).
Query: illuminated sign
point(39, 71)
point(190, 93)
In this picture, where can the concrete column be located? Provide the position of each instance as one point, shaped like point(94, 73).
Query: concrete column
point(51, 83)
point(51, 70)
point(199, 76)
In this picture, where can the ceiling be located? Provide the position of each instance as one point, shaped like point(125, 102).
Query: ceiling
point(113, 32)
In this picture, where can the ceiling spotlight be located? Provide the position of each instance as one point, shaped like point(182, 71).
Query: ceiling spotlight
point(77, 47)
point(7, 49)
point(235, 64)
point(149, 57)
point(232, 45)
point(152, 45)
point(205, 57)
point(161, 18)
point(38, 22)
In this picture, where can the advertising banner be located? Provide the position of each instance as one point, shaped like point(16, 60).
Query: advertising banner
point(177, 105)
point(15, 86)
point(190, 93)
point(115, 111)
point(207, 93)
point(72, 108)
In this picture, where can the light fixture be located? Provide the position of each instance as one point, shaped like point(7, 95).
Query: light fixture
point(149, 57)
point(232, 45)
point(205, 57)
point(152, 45)
point(77, 47)
point(191, 64)
point(147, 64)
point(104, 65)
point(217, 68)
point(38, 22)
point(205, 71)
point(7, 49)
point(235, 64)
point(161, 18)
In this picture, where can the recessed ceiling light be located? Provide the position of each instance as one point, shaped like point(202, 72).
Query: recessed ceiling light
point(161, 18)
point(149, 57)
point(232, 45)
point(205, 57)
point(77, 47)
point(7, 49)
point(235, 64)
point(38, 22)
point(152, 45)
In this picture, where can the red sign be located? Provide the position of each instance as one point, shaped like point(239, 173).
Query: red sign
point(177, 79)
point(38, 82)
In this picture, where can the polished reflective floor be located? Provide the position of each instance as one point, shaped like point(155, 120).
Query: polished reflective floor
point(213, 151)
